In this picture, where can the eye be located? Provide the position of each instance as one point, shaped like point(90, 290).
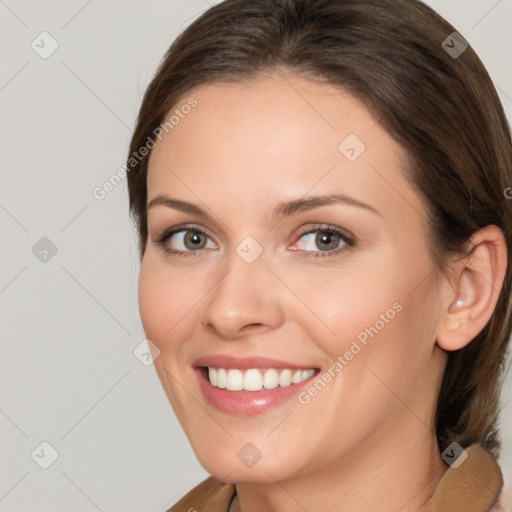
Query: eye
point(324, 241)
point(320, 242)
point(183, 240)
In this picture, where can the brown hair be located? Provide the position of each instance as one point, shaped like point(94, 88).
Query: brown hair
point(443, 110)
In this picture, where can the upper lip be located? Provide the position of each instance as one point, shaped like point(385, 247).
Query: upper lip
point(245, 363)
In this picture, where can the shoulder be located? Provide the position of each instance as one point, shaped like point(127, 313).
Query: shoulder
point(473, 482)
point(211, 494)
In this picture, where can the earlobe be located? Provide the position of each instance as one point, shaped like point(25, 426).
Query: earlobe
point(475, 286)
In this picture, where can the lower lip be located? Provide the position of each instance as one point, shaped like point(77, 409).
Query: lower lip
point(248, 403)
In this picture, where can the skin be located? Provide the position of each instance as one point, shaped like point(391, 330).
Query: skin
point(242, 150)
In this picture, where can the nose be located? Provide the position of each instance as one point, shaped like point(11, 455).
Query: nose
point(246, 298)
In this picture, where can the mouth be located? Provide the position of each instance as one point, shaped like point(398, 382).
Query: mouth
point(250, 386)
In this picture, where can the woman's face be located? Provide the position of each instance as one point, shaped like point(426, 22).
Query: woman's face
point(344, 286)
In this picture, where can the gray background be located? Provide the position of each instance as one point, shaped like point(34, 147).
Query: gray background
point(70, 324)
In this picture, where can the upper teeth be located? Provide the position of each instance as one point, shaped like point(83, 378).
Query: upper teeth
point(255, 379)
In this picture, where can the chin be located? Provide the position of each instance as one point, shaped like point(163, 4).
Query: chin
point(231, 470)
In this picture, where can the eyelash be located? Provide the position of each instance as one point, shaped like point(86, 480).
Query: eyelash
point(345, 237)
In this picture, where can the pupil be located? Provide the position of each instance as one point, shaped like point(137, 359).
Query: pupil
point(194, 239)
point(328, 239)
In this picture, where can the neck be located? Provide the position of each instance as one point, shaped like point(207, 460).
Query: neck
point(377, 478)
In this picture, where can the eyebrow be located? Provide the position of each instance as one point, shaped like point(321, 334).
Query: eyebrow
point(281, 210)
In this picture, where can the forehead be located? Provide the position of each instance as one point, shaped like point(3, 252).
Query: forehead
point(278, 136)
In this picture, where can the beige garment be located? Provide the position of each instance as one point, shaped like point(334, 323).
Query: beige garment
point(472, 487)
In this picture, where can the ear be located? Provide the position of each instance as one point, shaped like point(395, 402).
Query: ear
point(474, 287)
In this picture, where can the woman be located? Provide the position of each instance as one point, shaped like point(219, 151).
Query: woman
point(320, 190)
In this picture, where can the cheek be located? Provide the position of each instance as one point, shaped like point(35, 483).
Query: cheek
point(163, 304)
point(377, 310)
point(342, 302)
point(151, 303)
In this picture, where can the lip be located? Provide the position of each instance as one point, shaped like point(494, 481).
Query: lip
point(245, 363)
point(247, 403)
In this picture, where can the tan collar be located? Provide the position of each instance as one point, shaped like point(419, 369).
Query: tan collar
point(473, 486)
